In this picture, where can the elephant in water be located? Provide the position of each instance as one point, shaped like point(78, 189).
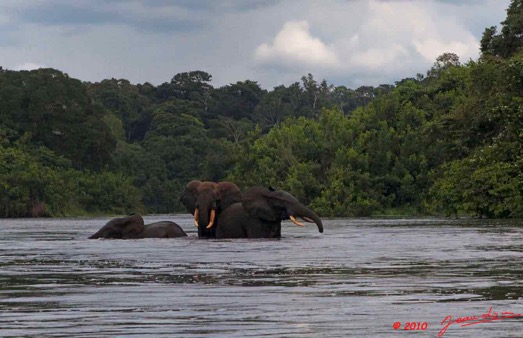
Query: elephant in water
point(133, 227)
point(260, 213)
point(206, 201)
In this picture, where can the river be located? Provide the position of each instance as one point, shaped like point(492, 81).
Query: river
point(358, 278)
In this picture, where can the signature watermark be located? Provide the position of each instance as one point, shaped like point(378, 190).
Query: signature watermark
point(473, 320)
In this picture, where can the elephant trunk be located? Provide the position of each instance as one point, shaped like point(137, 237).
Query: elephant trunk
point(205, 217)
point(309, 216)
point(206, 213)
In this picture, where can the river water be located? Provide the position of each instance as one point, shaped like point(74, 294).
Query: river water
point(357, 279)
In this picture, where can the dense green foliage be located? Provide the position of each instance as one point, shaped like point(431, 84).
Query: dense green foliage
point(36, 182)
point(448, 143)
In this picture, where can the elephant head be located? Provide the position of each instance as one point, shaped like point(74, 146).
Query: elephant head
point(123, 227)
point(206, 200)
point(273, 206)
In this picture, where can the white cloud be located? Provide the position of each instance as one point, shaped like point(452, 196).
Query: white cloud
point(376, 58)
point(28, 66)
point(295, 44)
point(365, 43)
point(430, 49)
point(402, 38)
point(428, 32)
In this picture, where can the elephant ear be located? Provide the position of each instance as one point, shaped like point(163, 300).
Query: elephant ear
point(189, 195)
point(133, 224)
point(256, 201)
point(229, 194)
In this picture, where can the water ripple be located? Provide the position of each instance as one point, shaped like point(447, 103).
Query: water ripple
point(357, 278)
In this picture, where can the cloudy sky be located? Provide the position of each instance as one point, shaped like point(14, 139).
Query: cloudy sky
point(346, 42)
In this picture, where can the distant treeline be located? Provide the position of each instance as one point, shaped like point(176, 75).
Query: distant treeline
point(446, 142)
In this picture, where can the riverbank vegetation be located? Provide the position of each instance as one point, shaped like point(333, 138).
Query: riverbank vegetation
point(445, 142)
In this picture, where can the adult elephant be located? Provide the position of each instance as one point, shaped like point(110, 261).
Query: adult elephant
point(206, 201)
point(260, 213)
point(133, 227)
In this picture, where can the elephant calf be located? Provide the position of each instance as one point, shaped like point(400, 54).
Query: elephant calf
point(133, 227)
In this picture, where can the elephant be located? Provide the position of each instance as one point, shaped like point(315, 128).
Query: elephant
point(260, 213)
point(206, 201)
point(133, 227)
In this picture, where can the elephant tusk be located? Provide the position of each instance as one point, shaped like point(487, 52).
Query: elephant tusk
point(211, 222)
point(307, 219)
point(293, 219)
point(196, 217)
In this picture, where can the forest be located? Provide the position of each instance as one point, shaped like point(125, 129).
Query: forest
point(448, 142)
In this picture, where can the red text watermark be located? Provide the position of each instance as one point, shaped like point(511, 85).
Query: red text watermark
point(411, 326)
point(473, 320)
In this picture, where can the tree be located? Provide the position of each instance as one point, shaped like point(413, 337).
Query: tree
point(127, 103)
point(316, 96)
point(57, 113)
point(193, 86)
point(237, 100)
point(443, 62)
point(277, 105)
point(510, 40)
point(36, 182)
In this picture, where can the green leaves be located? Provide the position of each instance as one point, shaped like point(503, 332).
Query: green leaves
point(56, 111)
point(509, 41)
point(32, 178)
point(479, 187)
